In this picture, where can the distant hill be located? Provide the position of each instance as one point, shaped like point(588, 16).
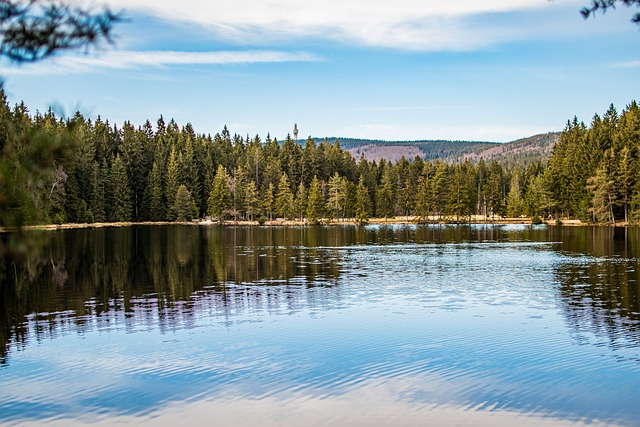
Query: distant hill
point(525, 150)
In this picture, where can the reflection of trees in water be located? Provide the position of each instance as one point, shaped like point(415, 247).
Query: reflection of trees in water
point(601, 295)
point(94, 278)
point(165, 277)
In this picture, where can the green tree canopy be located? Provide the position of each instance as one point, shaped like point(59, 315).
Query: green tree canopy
point(220, 196)
point(183, 204)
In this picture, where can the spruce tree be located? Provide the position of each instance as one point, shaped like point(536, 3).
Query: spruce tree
point(602, 186)
point(301, 201)
point(171, 188)
point(284, 199)
point(362, 202)
point(386, 193)
point(424, 202)
point(315, 201)
point(122, 192)
point(220, 196)
point(154, 190)
point(97, 196)
point(251, 201)
point(183, 204)
point(337, 196)
point(269, 202)
point(458, 202)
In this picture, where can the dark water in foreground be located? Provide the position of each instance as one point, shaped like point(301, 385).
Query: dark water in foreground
point(397, 325)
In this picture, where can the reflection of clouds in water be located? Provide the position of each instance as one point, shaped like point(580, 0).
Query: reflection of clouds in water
point(424, 321)
point(378, 402)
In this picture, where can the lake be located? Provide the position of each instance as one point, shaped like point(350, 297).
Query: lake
point(358, 326)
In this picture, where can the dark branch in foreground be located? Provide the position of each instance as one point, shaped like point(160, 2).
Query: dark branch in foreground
point(604, 5)
point(35, 29)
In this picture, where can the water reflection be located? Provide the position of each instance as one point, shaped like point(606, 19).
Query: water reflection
point(481, 324)
point(162, 274)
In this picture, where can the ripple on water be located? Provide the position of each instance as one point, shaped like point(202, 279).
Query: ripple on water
point(473, 331)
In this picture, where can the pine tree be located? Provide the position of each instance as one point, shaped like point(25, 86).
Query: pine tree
point(602, 187)
point(301, 201)
point(440, 188)
point(626, 179)
point(493, 191)
point(424, 201)
point(315, 201)
point(171, 188)
point(183, 204)
point(269, 202)
point(97, 196)
point(284, 200)
point(458, 202)
point(240, 182)
point(251, 201)
point(337, 197)
point(154, 191)
point(514, 200)
point(362, 202)
point(122, 192)
point(407, 197)
point(386, 194)
point(220, 196)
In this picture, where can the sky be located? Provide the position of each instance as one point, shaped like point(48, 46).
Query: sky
point(490, 70)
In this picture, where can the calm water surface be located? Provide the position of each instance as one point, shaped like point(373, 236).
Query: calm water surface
point(377, 325)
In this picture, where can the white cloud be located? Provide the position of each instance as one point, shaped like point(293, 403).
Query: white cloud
point(408, 24)
point(134, 59)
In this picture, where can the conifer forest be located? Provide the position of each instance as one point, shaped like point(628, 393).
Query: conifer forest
point(77, 170)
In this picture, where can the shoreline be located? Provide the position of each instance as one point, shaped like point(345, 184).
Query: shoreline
point(398, 220)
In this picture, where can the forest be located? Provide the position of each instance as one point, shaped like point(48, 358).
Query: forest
point(77, 170)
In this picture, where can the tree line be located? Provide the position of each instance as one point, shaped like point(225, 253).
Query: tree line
point(77, 170)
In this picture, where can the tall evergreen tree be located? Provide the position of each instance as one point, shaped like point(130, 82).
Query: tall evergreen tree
point(362, 202)
point(122, 192)
point(458, 202)
point(220, 196)
point(97, 196)
point(337, 196)
point(301, 201)
point(602, 187)
point(315, 201)
point(251, 201)
point(284, 199)
point(171, 188)
point(424, 200)
point(184, 205)
point(269, 201)
point(154, 191)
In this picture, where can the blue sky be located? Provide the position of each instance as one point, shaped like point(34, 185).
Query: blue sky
point(493, 70)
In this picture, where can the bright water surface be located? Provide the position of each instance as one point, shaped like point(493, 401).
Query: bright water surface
point(376, 325)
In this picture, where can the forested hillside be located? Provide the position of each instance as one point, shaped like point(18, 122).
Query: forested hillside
point(395, 150)
point(522, 151)
point(79, 170)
